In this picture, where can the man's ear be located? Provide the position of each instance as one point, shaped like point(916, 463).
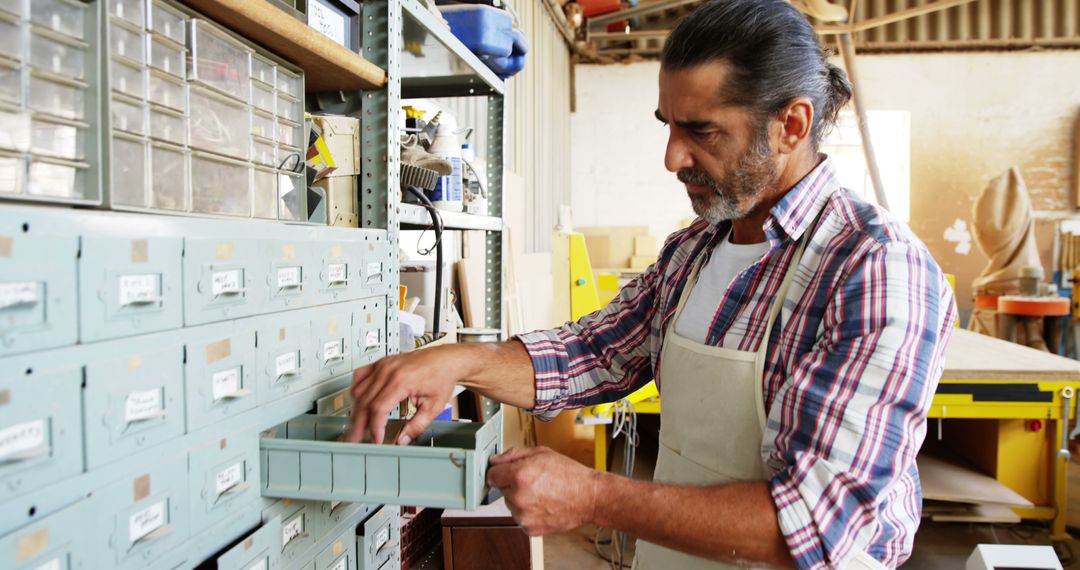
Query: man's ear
point(796, 121)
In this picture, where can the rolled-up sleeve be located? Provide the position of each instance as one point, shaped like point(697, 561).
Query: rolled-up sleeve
point(852, 412)
point(601, 357)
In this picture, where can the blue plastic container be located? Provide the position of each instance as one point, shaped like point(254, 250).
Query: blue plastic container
point(486, 31)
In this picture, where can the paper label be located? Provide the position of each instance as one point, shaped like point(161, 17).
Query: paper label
point(286, 363)
point(14, 294)
point(260, 565)
point(337, 272)
point(53, 564)
point(138, 289)
point(382, 537)
point(371, 339)
point(22, 437)
point(142, 405)
point(331, 350)
point(340, 564)
point(292, 529)
point(146, 521)
point(288, 277)
point(327, 21)
point(229, 477)
point(225, 383)
point(222, 282)
point(374, 269)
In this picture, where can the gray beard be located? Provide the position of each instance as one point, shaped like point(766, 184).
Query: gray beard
point(739, 193)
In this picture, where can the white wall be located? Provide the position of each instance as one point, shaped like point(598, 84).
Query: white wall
point(617, 152)
point(973, 115)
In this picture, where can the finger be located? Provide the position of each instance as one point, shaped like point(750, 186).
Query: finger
point(383, 378)
point(369, 379)
point(501, 477)
point(359, 424)
point(379, 414)
point(513, 454)
point(419, 422)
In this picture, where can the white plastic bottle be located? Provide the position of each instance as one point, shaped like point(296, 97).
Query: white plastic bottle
point(447, 193)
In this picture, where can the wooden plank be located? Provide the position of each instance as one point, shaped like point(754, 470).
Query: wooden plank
point(972, 356)
point(327, 65)
point(953, 481)
point(980, 514)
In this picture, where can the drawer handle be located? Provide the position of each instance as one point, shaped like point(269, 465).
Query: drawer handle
point(18, 303)
point(154, 416)
point(231, 293)
point(241, 393)
point(335, 359)
point(289, 375)
point(238, 487)
point(26, 455)
point(156, 534)
point(146, 301)
point(298, 286)
point(388, 544)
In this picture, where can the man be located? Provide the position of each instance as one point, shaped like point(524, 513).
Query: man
point(796, 334)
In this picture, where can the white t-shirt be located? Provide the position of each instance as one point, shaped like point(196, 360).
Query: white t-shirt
point(727, 262)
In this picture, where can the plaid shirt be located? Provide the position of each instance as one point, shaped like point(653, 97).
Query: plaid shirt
point(851, 367)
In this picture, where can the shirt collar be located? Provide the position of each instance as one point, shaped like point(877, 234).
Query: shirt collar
point(798, 208)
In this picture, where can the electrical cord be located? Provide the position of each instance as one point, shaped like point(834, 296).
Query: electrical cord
point(624, 423)
point(437, 225)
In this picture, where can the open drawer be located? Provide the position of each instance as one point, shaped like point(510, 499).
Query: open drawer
point(444, 468)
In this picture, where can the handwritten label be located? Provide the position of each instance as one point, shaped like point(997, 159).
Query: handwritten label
point(53, 564)
point(229, 477)
point(336, 273)
point(225, 282)
point(146, 521)
point(292, 529)
point(260, 565)
point(225, 383)
point(327, 21)
point(14, 294)
point(374, 269)
point(21, 437)
point(142, 405)
point(286, 363)
point(340, 564)
point(382, 538)
point(331, 350)
point(371, 339)
point(288, 277)
point(138, 289)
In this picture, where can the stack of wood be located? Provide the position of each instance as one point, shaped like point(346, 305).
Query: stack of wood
point(954, 491)
point(1068, 253)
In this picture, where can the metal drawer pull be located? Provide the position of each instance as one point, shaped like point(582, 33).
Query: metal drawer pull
point(26, 455)
point(242, 393)
point(156, 534)
point(239, 487)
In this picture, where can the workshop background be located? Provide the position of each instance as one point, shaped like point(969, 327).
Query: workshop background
point(213, 211)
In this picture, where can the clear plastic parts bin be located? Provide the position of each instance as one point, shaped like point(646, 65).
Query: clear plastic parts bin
point(218, 124)
point(168, 22)
point(64, 16)
point(57, 179)
point(54, 96)
point(169, 172)
point(60, 139)
point(128, 178)
point(220, 185)
point(167, 91)
point(219, 61)
point(128, 115)
point(128, 79)
point(127, 44)
point(168, 126)
point(167, 57)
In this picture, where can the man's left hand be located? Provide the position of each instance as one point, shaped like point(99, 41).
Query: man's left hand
point(545, 491)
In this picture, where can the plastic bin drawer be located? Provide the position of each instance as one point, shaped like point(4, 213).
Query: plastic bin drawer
point(12, 175)
point(224, 477)
point(167, 91)
point(59, 180)
point(264, 152)
point(10, 83)
point(10, 40)
point(259, 550)
point(128, 115)
point(129, 286)
point(57, 542)
point(219, 124)
point(127, 79)
point(126, 43)
point(168, 126)
point(56, 55)
point(444, 468)
point(141, 517)
point(61, 99)
point(263, 70)
point(40, 422)
point(290, 83)
point(168, 22)
point(131, 11)
point(219, 378)
point(169, 172)
point(38, 292)
point(283, 362)
point(262, 97)
point(378, 539)
point(291, 109)
point(129, 169)
point(65, 16)
point(133, 397)
point(167, 57)
point(57, 138)
point(220, 186)
point(219, 61)
point(262, 125)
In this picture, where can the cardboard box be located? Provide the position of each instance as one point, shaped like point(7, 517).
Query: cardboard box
point(342, 137)
point(612, 247)
point(342, 209)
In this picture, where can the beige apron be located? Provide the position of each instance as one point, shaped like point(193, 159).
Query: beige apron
point(711, 430)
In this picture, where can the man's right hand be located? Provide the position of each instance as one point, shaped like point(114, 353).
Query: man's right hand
point(425, 377)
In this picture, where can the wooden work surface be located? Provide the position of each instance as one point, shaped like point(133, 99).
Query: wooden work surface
point(327, 66)
point(972, 356)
